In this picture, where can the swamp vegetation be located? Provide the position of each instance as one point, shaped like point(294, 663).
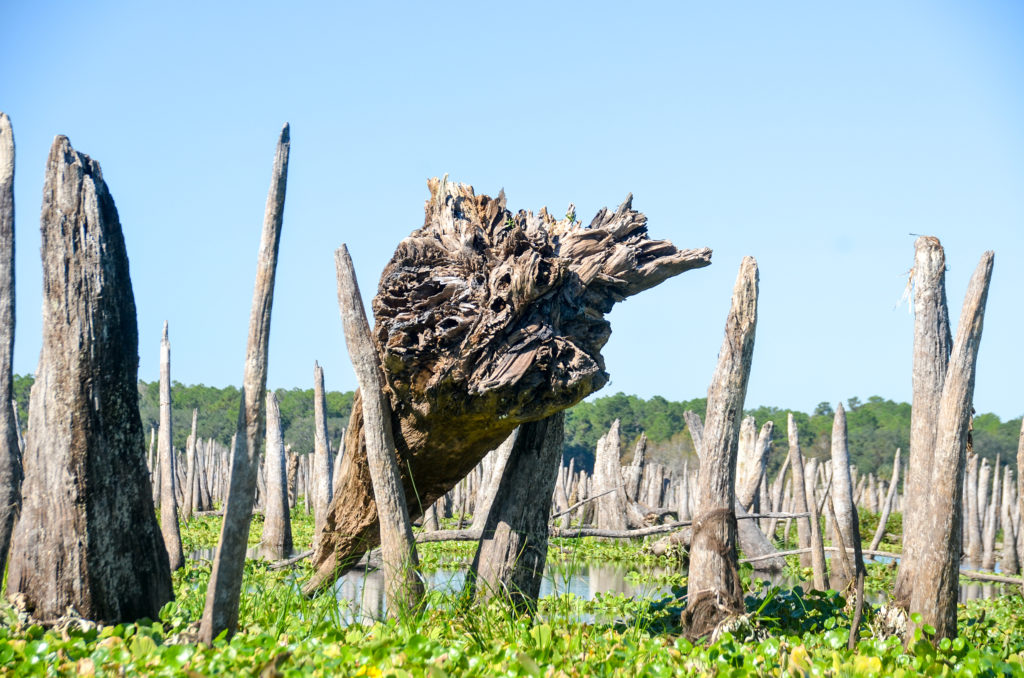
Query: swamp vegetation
point(787, 630)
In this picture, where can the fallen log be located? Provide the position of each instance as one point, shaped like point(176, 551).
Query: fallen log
point(485, 320)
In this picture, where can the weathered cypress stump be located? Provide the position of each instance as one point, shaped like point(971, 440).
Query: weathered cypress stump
point(168, 468)
point(10, 449)
point(322, 487)
point(87, 537)
point(509, 561)
point(932, 343)
point(277, 527)
point(846, 523)
point(398, 548)
point(936, 571)
point(222, 594)
point(890, 500)
point(486, 320)
point(714, 585)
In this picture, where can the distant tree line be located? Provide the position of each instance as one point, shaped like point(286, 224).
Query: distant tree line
point(876, 427)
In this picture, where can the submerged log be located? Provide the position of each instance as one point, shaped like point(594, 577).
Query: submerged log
point(10, 449)
point(87, 537)
point(486, 320)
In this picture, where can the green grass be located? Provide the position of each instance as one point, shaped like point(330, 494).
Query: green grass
point(786, 632)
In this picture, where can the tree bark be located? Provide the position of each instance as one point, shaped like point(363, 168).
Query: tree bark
point(87, 537)
point(10, 450)
point(403, 588)
point(932, 344)
point(277, 526)
point(510, 559)
point(778, 489)
point(222, 595)
point(323, 488)
point(486, 320)
point(972, 521)
point(713, 578)
point(936, 572)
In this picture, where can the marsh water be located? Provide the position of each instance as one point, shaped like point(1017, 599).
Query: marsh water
point(361, 590)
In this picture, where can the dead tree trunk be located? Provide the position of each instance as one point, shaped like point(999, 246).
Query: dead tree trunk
point(611, 509)
point(1008, 562)
point(487, 493)
point(403, 588)
point(222, 594)
point(188, 505)
point(890, 498)
point(778, 489)
point(972, 521)
point(806, 503)
point(322, 488)
point(513, 549)
point(339, 457)
point(932, 344)
point(277, 527)
point(714, 585)
point(988, 538)
point(10, 450)
point(935, 574)
point(486, 320)
point(168, 470)
point(842, 486)
point(87, 537)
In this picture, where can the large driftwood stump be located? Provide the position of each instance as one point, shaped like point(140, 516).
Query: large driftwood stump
point(87, 537)
point(486, 320)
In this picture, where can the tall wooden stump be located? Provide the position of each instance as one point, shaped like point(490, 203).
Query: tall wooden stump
point(935, 571)
point(168, 463)
point(509, 561)
point(322, 486)
point(398, 547)
point(10, 451)
point(277, 526)
point(87, 537)
point(714, 586)
point(222, 594)
point(932, 344)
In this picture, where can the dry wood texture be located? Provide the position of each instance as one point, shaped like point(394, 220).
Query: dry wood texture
point(714, 581)
point(513, 549)
point(222, 594)
point(842, 486)
point(486, 320)
point(87, 536)
point(10, 449)
point(932, 344)
point(935, 572)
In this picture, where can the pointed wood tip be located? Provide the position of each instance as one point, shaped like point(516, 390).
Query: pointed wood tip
point(286, 132)
point(164, 337)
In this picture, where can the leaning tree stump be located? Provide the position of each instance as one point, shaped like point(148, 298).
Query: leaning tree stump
point(10, 448)
point(87, 537)
point(485, 320)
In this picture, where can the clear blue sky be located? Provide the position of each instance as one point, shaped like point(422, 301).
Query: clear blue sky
point(814, 137)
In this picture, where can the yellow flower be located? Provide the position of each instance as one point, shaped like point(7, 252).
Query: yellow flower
point(867, 666)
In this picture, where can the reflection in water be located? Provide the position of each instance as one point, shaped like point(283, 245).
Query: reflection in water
point(361, 592)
